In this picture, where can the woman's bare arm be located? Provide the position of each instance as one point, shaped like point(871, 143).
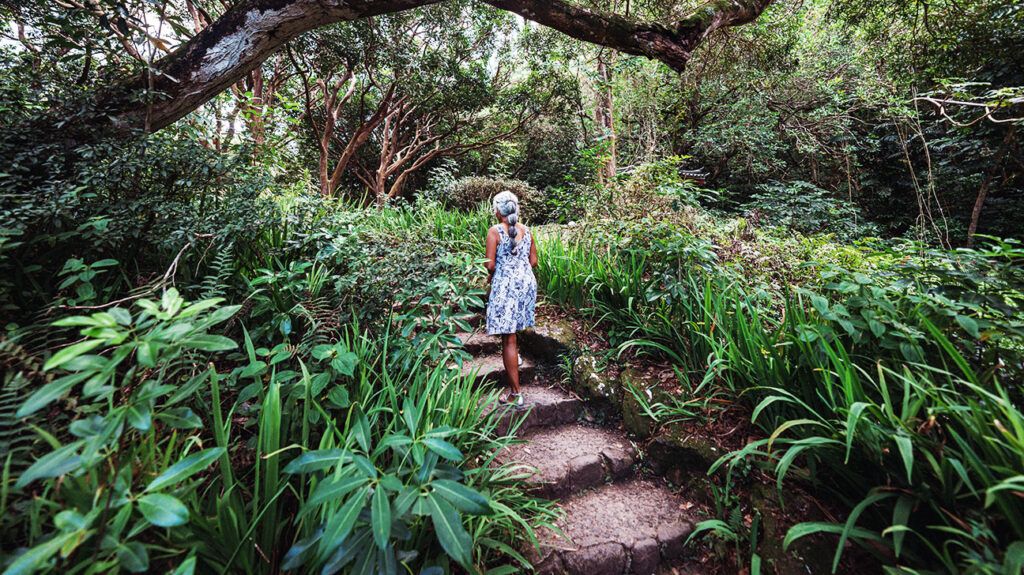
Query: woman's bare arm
point(533, 253)
point(492, 252)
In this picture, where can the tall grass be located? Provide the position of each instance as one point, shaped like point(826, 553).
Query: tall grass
point(927, 455)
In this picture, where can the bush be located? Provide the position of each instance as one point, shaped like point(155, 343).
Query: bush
point(808, 209)
point(468, 193)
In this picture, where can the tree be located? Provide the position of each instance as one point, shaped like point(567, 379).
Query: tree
point(246, 34)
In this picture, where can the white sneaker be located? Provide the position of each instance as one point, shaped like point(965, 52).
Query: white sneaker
point(513, 399)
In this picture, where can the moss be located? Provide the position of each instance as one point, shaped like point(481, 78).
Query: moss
point(634, 418)
point(549, 339)
point(590, 381)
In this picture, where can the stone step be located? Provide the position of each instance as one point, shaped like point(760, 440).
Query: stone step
point(622, 528)
point(479, 343)
point(490, 369)
point(544, 407)
point(570, 458)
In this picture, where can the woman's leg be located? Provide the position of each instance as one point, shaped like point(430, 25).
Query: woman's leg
point(510, 357)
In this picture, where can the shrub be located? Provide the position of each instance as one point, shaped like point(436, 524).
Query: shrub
point(468, 193)
point(808, 209)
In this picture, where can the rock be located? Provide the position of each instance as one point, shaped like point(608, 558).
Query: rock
point(644, 557)
point(548, 340)
point(619, 461)
point(674, 452)
point(584, 471)
point(592, 383)
point(601, 559)
point(634, 418)
point(808, 554)
point(672, 537)
point(489, 369)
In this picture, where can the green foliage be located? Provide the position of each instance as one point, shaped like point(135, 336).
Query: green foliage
point(470, 192)
point(808, 209)
point(887, 388)
point(179, 451)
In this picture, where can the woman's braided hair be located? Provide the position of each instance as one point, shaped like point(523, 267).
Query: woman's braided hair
point(507, 204)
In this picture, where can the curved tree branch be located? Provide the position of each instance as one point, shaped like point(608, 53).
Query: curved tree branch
point(246, 34)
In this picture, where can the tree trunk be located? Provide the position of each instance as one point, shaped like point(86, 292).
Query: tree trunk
point(250, 31)
point(604, 117)
point(979, 202)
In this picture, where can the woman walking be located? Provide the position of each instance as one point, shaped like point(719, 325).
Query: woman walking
point(511, 257)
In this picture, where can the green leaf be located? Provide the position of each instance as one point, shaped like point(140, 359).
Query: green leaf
point(316, 460)
point(716, 526)
point(53, 464)
point(329, 490)
point(1013, 561)
point(300, 551)
point(140, 416)
point(187, 567)
point(49, 393)
point(900, 517)
point(464, 498)
point(70, 352)
point(969, 324)
point(380, 515)
point(339, 397)
point(345, 363)
point(185, 468)
point(443, 448)
point(361, 429)
point(322, 351)
point(450, 532)
point(811, 527)
point(133, 557)
point(163, 510)
point(340, 523)
point(210, 342)
point(181, 418)
point(31, 560)
point(906, 448)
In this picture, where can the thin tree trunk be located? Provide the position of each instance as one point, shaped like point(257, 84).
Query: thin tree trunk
point(979, 202)
point(604, 115)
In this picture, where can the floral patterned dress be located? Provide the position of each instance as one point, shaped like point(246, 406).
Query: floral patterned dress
point(510, 307)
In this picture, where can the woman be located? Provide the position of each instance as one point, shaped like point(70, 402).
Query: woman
point(511, 257)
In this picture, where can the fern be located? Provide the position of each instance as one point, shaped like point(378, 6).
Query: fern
point(222, 268)
point(323, 322)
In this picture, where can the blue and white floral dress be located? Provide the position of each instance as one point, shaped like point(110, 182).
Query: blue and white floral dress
point(510, 307)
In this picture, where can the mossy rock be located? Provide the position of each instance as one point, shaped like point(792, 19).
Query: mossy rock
point(806, 555)
point(634, 418)
point(549, 340)
point(591, 382)
point(675, 452)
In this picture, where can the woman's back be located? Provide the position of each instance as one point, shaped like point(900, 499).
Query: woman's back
point(513, 288)
point(513, 252)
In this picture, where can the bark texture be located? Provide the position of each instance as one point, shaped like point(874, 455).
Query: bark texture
point(233, 45)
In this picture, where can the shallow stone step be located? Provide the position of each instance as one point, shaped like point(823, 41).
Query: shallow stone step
point(573, 457)
point(620, 528)
point(478, 343)
point(490, 369)
point(544, 407)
